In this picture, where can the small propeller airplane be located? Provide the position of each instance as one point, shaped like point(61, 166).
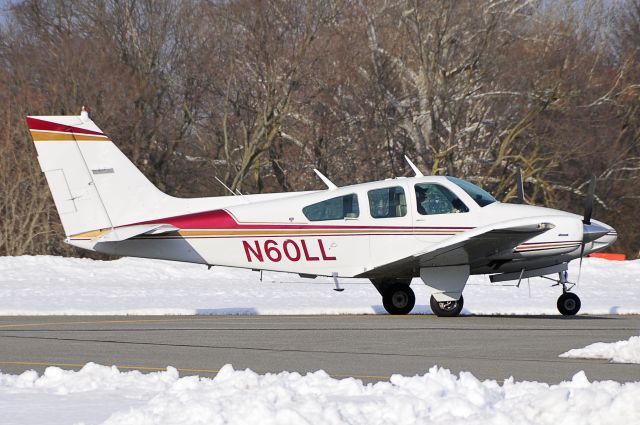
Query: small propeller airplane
point(441, 229)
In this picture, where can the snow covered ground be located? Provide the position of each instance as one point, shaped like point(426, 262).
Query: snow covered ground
point(45, 285)
point(99, 394)
point(617, 352)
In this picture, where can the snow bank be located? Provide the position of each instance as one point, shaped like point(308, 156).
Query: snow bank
point(617, 352)
point(44, 285)
point(100, 394)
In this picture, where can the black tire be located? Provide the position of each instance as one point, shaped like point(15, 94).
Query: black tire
point(447, 308)
point(398, 299)
point(568, 304)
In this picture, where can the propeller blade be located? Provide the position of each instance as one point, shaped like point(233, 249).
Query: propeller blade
point(588, 202)
point(580, 264)
point(519, 187)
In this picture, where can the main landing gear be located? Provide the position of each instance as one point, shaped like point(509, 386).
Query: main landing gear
point(397, 296)
point(446, 308)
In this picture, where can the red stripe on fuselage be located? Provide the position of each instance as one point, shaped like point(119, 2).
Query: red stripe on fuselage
point(36, 124)
point(218, 219)
point(221, 219)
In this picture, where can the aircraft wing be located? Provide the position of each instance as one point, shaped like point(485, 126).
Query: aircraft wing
point(475, 246)
point(119, 234)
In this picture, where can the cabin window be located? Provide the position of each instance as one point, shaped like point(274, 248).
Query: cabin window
point(333, 209)
point(435, 199)
point(387, 202)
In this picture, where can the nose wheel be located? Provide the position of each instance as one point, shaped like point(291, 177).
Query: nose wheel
point(568, 303)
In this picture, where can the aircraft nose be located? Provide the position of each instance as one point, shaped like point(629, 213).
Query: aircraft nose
point(601, 234)
point(593, 231)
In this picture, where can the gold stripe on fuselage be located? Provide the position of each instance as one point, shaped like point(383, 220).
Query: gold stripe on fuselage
point(284, 232)
point(277, 232)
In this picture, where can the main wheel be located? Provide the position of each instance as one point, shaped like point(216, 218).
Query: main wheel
point(398, 299)
point(568, 304)
point(446, 308)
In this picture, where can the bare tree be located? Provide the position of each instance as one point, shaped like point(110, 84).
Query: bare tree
point(259, 92)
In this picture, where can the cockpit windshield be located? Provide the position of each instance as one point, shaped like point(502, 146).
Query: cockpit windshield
point(482, 198)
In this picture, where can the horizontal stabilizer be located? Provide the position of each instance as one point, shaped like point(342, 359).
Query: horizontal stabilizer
point(128, 232)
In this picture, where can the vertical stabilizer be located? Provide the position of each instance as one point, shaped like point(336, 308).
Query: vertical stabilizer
point(94, 185)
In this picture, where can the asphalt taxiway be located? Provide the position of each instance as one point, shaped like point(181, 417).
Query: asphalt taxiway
point(368, 347)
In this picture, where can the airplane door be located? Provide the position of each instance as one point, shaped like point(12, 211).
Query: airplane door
point(438, 214)
point(390, 212)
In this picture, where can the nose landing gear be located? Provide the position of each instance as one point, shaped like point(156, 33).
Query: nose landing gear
point(568, 303)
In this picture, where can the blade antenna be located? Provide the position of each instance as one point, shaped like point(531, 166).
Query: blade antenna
point(225, 186)
point(326, 180)
point(519, 186)
point(413, 167)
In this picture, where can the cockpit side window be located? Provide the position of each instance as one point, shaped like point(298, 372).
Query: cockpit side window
point(333, 209)
point(482, 197)
point(387, 202)
point(435, 199)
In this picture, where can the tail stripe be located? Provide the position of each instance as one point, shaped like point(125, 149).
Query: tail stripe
point(40, 136)
point(37, 124)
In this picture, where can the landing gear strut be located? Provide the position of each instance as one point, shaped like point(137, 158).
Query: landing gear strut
point(568, 303)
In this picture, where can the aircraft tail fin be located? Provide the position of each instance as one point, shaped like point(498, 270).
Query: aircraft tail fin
point(93, 184)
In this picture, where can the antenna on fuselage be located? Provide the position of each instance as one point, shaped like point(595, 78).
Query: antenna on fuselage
point(326, 180)
point(413, 167)
point(519, 186)
point(225, 186)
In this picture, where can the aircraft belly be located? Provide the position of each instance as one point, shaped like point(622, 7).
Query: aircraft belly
point(175, 249)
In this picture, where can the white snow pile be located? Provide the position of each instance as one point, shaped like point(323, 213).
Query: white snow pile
point(46, 285)
point(617, 352)
point(104, 395)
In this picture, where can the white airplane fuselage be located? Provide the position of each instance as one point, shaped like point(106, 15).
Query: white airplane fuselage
point(270, 232)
